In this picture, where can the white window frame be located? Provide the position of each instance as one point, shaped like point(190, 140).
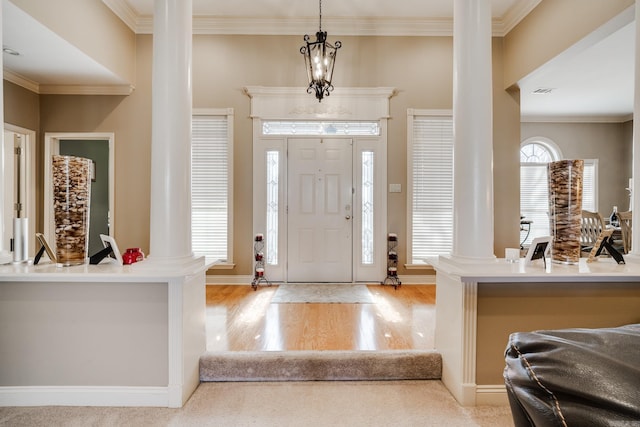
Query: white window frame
point(411, 115)
point(556, 154)
point(228, 114)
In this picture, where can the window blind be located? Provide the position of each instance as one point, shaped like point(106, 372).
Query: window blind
point(534, 199)
point(589, 186)
point(432, 187)
point(209, 186)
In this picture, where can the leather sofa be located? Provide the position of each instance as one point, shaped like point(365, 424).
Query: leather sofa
point(574, 377)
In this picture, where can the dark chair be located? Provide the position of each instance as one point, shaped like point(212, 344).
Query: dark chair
point(574, 377)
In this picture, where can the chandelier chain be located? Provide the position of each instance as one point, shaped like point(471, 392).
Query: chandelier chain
point(320, 27)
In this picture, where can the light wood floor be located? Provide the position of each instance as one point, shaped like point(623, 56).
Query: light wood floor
point(241, 319)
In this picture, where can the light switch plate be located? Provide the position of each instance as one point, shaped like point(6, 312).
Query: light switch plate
point(395, 188)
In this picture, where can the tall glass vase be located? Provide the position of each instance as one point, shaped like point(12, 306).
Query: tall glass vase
point(71, 200)
point(565, 209)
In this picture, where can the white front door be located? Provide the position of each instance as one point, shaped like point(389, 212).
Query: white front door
point(320, 210)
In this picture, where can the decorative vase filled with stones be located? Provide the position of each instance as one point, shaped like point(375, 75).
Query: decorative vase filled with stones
point(71, 198)
point(565, 209)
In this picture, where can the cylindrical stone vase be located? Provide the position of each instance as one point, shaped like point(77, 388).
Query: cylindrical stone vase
point(71, 200)
point(565, 209)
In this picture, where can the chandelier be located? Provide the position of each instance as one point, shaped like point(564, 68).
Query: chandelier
point(319, 58)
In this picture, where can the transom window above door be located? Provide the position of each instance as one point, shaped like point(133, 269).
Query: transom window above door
point(319, 128)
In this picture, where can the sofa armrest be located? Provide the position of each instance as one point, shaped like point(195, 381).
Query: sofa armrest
point(574, 377)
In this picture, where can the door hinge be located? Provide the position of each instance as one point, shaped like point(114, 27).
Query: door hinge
point(17, 207)
point(18, 151)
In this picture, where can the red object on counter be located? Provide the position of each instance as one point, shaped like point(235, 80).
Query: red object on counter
point(132, 255)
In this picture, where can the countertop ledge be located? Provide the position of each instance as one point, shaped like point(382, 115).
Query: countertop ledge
point(502, 271)
point(103, 272)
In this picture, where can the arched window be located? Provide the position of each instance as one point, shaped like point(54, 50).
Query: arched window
point(538, 151)
point(535, 154)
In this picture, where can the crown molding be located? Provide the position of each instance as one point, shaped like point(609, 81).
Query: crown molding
point(339, 26)
point(514, 16)
point(125, 12)
point(345, 26)
point(123, 90)
point(19, 80)
point(44, 89)
point(622, 118)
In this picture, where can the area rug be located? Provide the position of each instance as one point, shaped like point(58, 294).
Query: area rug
point(322, 294)
point(320, 365)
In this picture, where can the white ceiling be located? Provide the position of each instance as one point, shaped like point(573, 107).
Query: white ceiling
point(46, 60)
point(593, 81)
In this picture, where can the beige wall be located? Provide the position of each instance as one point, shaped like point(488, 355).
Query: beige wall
point(419, 67)
point(21, 106)
point(504, 309)
point(544, 33)
point(610, 143)
point(506, 158)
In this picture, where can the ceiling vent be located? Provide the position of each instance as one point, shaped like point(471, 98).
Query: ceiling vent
point(542, 90)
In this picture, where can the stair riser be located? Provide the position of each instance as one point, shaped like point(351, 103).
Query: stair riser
point(320, 366)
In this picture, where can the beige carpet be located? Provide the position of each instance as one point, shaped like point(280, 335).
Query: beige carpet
point(323, 293)
point(284, 404)
point(320, 365)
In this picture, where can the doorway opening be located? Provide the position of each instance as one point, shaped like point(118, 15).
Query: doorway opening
point(99, 147)
point(319, 183)
point(20, 182)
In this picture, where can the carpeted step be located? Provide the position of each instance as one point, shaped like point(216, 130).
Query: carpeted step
point(320, 365)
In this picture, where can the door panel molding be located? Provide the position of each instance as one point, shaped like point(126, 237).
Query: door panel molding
point(319, 209)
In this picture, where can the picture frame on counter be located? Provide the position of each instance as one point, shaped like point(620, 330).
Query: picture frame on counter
point(539, 248)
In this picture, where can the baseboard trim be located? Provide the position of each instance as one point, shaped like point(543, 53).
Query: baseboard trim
point(491, 395)
point(84, 396)
point(230, 279)
point(417, 279)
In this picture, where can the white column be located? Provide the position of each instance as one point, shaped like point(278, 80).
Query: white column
point(5, 235)
point(170, 216)
point(635, 220)
point(473, 134)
